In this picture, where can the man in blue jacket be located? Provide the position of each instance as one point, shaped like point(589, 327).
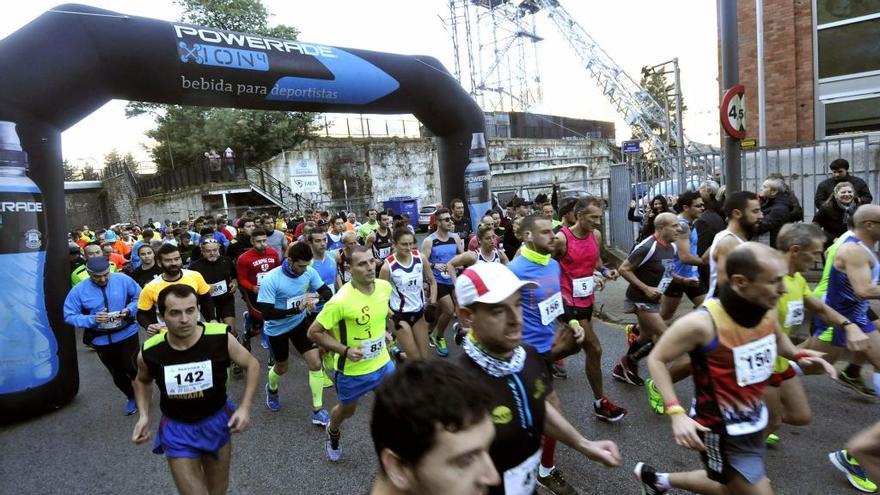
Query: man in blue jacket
point(106, 304)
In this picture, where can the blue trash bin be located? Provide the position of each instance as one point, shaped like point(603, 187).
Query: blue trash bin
point(404, 204)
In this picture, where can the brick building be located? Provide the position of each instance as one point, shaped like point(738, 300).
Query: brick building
point(821, 66)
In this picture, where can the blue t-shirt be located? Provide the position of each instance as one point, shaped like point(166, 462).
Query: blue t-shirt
point(539, 301)
point(687, 271)
point(285, 290)
point(442, 252)
point(327, 270)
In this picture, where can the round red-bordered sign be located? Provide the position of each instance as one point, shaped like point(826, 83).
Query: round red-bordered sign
point(733, 111)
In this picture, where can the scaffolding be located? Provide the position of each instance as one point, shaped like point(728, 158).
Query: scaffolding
point(495, 45)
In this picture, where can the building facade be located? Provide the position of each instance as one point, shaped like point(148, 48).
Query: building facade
point(821, 66)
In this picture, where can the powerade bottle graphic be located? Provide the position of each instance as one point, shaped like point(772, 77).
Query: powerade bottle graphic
point(28, 350)
point(476, 180)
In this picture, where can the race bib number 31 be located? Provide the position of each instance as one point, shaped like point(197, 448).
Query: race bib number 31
point(754, 361)
point(188, 378)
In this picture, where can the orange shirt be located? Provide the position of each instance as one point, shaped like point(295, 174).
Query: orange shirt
point(121, 247)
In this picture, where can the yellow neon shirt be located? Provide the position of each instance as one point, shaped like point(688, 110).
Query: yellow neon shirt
point(150, 292)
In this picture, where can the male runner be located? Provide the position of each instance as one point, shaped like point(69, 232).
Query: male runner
point(219, 272)
point(860, 461)
point(334, 235)
point(251, 267)
point(343, 257)
point(800, 245)
point(352, 325)
point(242, 241)
point(432, 430)
point(370, 225)
point(172, 273)
point(650, 270)
point(733, 341)
point(518, 376)
point(743, 212)
point(285, 299)
point(461, 223)
point(440, 247)
point(189, 365)
point(578, 251)
point(542, 305)
point(79, 273)
point(691, 205)
point(325, 264)
point(106, 305)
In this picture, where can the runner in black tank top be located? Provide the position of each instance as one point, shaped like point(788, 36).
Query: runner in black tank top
point(380, 242)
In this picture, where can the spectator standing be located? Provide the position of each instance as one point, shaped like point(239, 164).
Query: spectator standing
point(778, 207)
point(840, 173)
point(659, 204)
point(834, 214)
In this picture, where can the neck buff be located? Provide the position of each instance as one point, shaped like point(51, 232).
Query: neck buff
point(492, 365)
point(743, 312)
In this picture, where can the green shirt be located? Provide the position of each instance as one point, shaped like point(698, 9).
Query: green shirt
point(79, 273)
point(366, 229)
point(830, 253)
point(358, 320)
point(790, 307)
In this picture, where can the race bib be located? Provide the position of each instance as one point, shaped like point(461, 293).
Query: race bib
point(795, 314)
point(260, 277)
point(410, 280)
point(115, 321)
point(219, 288)
point(754, 361)
point(550, 308)
point(294, 302)
point(667, 276)
point(188, 378)
point(444, 273)
point(373, 348)
point(583, 287)
point(384, 252)
point(521, 479)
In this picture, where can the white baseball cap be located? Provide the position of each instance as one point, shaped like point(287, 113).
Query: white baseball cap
point(488, 283)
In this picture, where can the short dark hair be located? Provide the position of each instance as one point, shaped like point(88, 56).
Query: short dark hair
point(146, 234)
point(143, 246)
point(179, 291)
point(167, 248)
point(245, 220)
point(686, 198)
point(300, 251)
point(583, 203)
point(738, 201)
point(838, 164)
point(455, 200)
point(742, 262)
point(528, 223)
point(258, 232)
point(421, 398)
point(440, 211)
point(317, 230)
point(566, 206)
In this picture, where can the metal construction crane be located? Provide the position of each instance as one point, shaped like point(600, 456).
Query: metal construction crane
point(636, 105)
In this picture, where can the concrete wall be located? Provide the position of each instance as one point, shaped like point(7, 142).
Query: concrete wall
point(121, 199)
point(86, 207)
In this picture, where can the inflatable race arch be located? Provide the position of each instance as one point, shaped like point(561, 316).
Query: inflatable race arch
point(73, 59)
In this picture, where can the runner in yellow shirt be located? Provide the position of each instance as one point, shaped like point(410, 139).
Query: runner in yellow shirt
point(800, 245)
point(352, 325)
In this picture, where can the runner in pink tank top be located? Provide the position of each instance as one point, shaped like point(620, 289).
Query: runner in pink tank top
point(578, 265)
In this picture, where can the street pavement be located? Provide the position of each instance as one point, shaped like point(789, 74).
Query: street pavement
point(85, 447)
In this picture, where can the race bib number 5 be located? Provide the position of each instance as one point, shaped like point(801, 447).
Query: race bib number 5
point(188, 378)
point(754, 361)
point(550, 308)
point(583, 287)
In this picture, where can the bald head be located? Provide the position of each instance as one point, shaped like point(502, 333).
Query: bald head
point(866, 213)
point(748, 259)
point(664, 219)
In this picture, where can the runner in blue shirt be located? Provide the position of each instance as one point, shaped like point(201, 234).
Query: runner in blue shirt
point(440, 247)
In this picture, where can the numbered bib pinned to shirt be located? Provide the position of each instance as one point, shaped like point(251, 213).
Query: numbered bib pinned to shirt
point(583, 287)
point(260, 277)
point(114, 321)
point(373, 348)
point(521, 479)
point(551, 308)
point(219, 288)
point(795, 314)
point(754, 361)
point(410, 280)
point(188, 378)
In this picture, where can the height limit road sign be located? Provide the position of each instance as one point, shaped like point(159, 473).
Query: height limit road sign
point(632, 147)
point(733, 111)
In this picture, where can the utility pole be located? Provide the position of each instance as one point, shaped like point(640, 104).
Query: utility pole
point(730, 78)
point(679, 135)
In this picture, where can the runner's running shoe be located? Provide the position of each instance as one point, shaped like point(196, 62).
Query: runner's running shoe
point(131, 407)
point(432, 340)
point(441, 349)
point(272, 401)
point(624, 372)
point(609, 411)
point(321, 418)
point(855, 383)
point(853, 471)
point(559, 370)
point(458, 333)
point(334, 452)
point(655, 398)
point(555, 483)
point(647, 475)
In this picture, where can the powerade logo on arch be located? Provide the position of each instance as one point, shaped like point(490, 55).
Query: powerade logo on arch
point(21, 206)
point(274, 69)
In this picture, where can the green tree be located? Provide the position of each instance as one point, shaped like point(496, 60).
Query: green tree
point(183, 134)
point(70, 172)
point(89, 172)
point(662, 90)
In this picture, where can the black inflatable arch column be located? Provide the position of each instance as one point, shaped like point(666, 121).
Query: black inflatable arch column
point(74, 58)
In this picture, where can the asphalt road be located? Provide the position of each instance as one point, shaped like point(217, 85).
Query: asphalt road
point(85, 447)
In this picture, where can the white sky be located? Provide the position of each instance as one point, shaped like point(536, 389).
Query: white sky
point(633, 32)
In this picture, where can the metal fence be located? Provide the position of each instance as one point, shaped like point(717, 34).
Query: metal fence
point(365, 127)
point(803, 167)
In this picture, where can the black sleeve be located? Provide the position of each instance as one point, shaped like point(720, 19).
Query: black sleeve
point(270, 312)
point(233, 275)
point(631, 215)
point(863, 192)
point(147, 317)
point(324, 294)
point(704, 235)
point(822, 194)
point(774, 219)
point(206, 303)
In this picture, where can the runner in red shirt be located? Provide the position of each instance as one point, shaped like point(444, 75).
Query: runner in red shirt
point(251, 267)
